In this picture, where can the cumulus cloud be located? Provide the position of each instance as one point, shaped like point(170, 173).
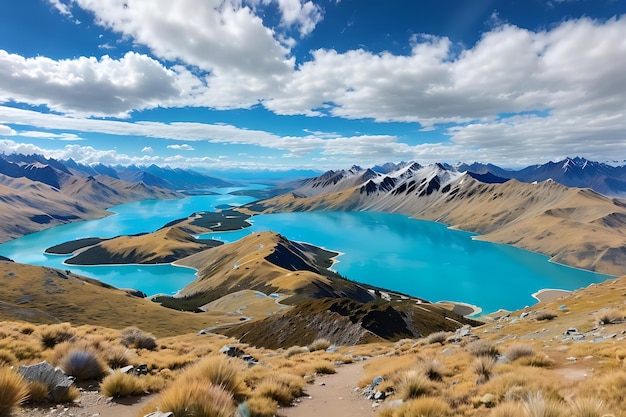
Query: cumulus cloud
point(183, 147)
point(225, 38)
point(576, 66)
point(306, 15)
point(93, 87)
point(147, 149)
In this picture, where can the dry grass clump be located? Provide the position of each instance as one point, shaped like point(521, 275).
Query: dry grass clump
point(262, 407)
point(275, 390)
point(82, 365)
point(432, 369)
point(413, 384)
point(119, 384)
point(520, 381)
point(482, 348)
point(296, 350)
point(483, 366)
point(536, 405)
point(7, 358)
point(194, 399)
point(13, 391)
point(421, 407)
point(609, 316)
point(519, 350)
point(220, 371)
point(545, 315)
point(54, 334)
point(37, 391)
point(588, 407)
point(323, 367)
point(538, 361)
point(117, 357)
point(608, 387)
point(437, 337)
point(280, 387)
point(138, 339)
point(319, 344)
point(508, 409)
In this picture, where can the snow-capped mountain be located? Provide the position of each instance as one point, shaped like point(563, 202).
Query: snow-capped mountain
point(572, 172)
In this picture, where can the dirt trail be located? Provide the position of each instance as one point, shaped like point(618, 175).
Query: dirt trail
point(333, 395)
point(91, 404)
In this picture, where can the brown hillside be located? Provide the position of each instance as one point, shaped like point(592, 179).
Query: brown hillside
point(45, 295)
point(163, 246)
point(28, 206)
point(266, 262)
point(576, 227)
point(347, 322)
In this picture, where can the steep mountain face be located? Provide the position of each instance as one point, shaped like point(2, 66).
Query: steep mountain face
point(347, 322)
point(266, 262)
point(576, 227)
point(572, 172)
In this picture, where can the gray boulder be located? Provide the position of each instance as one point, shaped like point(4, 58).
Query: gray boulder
point(58, 383)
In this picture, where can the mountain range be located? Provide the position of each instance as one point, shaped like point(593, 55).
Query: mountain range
point(574, 226)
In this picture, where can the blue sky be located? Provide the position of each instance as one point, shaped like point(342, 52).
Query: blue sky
point(322, 84)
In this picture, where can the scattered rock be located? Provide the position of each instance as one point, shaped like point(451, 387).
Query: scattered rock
point(126, 369)
point(58, 383)
point(141, 369)
point(161, 414)
point(571, 358)
point(232, 351)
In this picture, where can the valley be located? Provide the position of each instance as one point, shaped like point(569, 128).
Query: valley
point(271, 292)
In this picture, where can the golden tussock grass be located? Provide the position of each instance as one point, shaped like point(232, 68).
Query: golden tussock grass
point(220, 371)
point(519, 350)
point(262, 407)
point(413, 384)
point(13, 391)
point(508, 409)
point(609, 316)
point(296, 350)
point(194, 399)
point(275, 390)
point(536, 405)
point(119, 384)
point(484, 366)
point(518, 382)
point(421, 407)
point(56, 333)
point(323, 367)
point(37, 391)
point(608, 387)
point(437, 337)
point(319, 344)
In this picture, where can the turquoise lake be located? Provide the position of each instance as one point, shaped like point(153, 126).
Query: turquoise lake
point(415, 257)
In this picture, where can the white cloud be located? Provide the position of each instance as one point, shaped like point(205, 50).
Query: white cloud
point(61, 8)
point(47, 135)
point(147, 149)
point(88, 86)
point(578, 65)
point(183, 147)
point(6, 131)
point(226, 39)
point(305, 14)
